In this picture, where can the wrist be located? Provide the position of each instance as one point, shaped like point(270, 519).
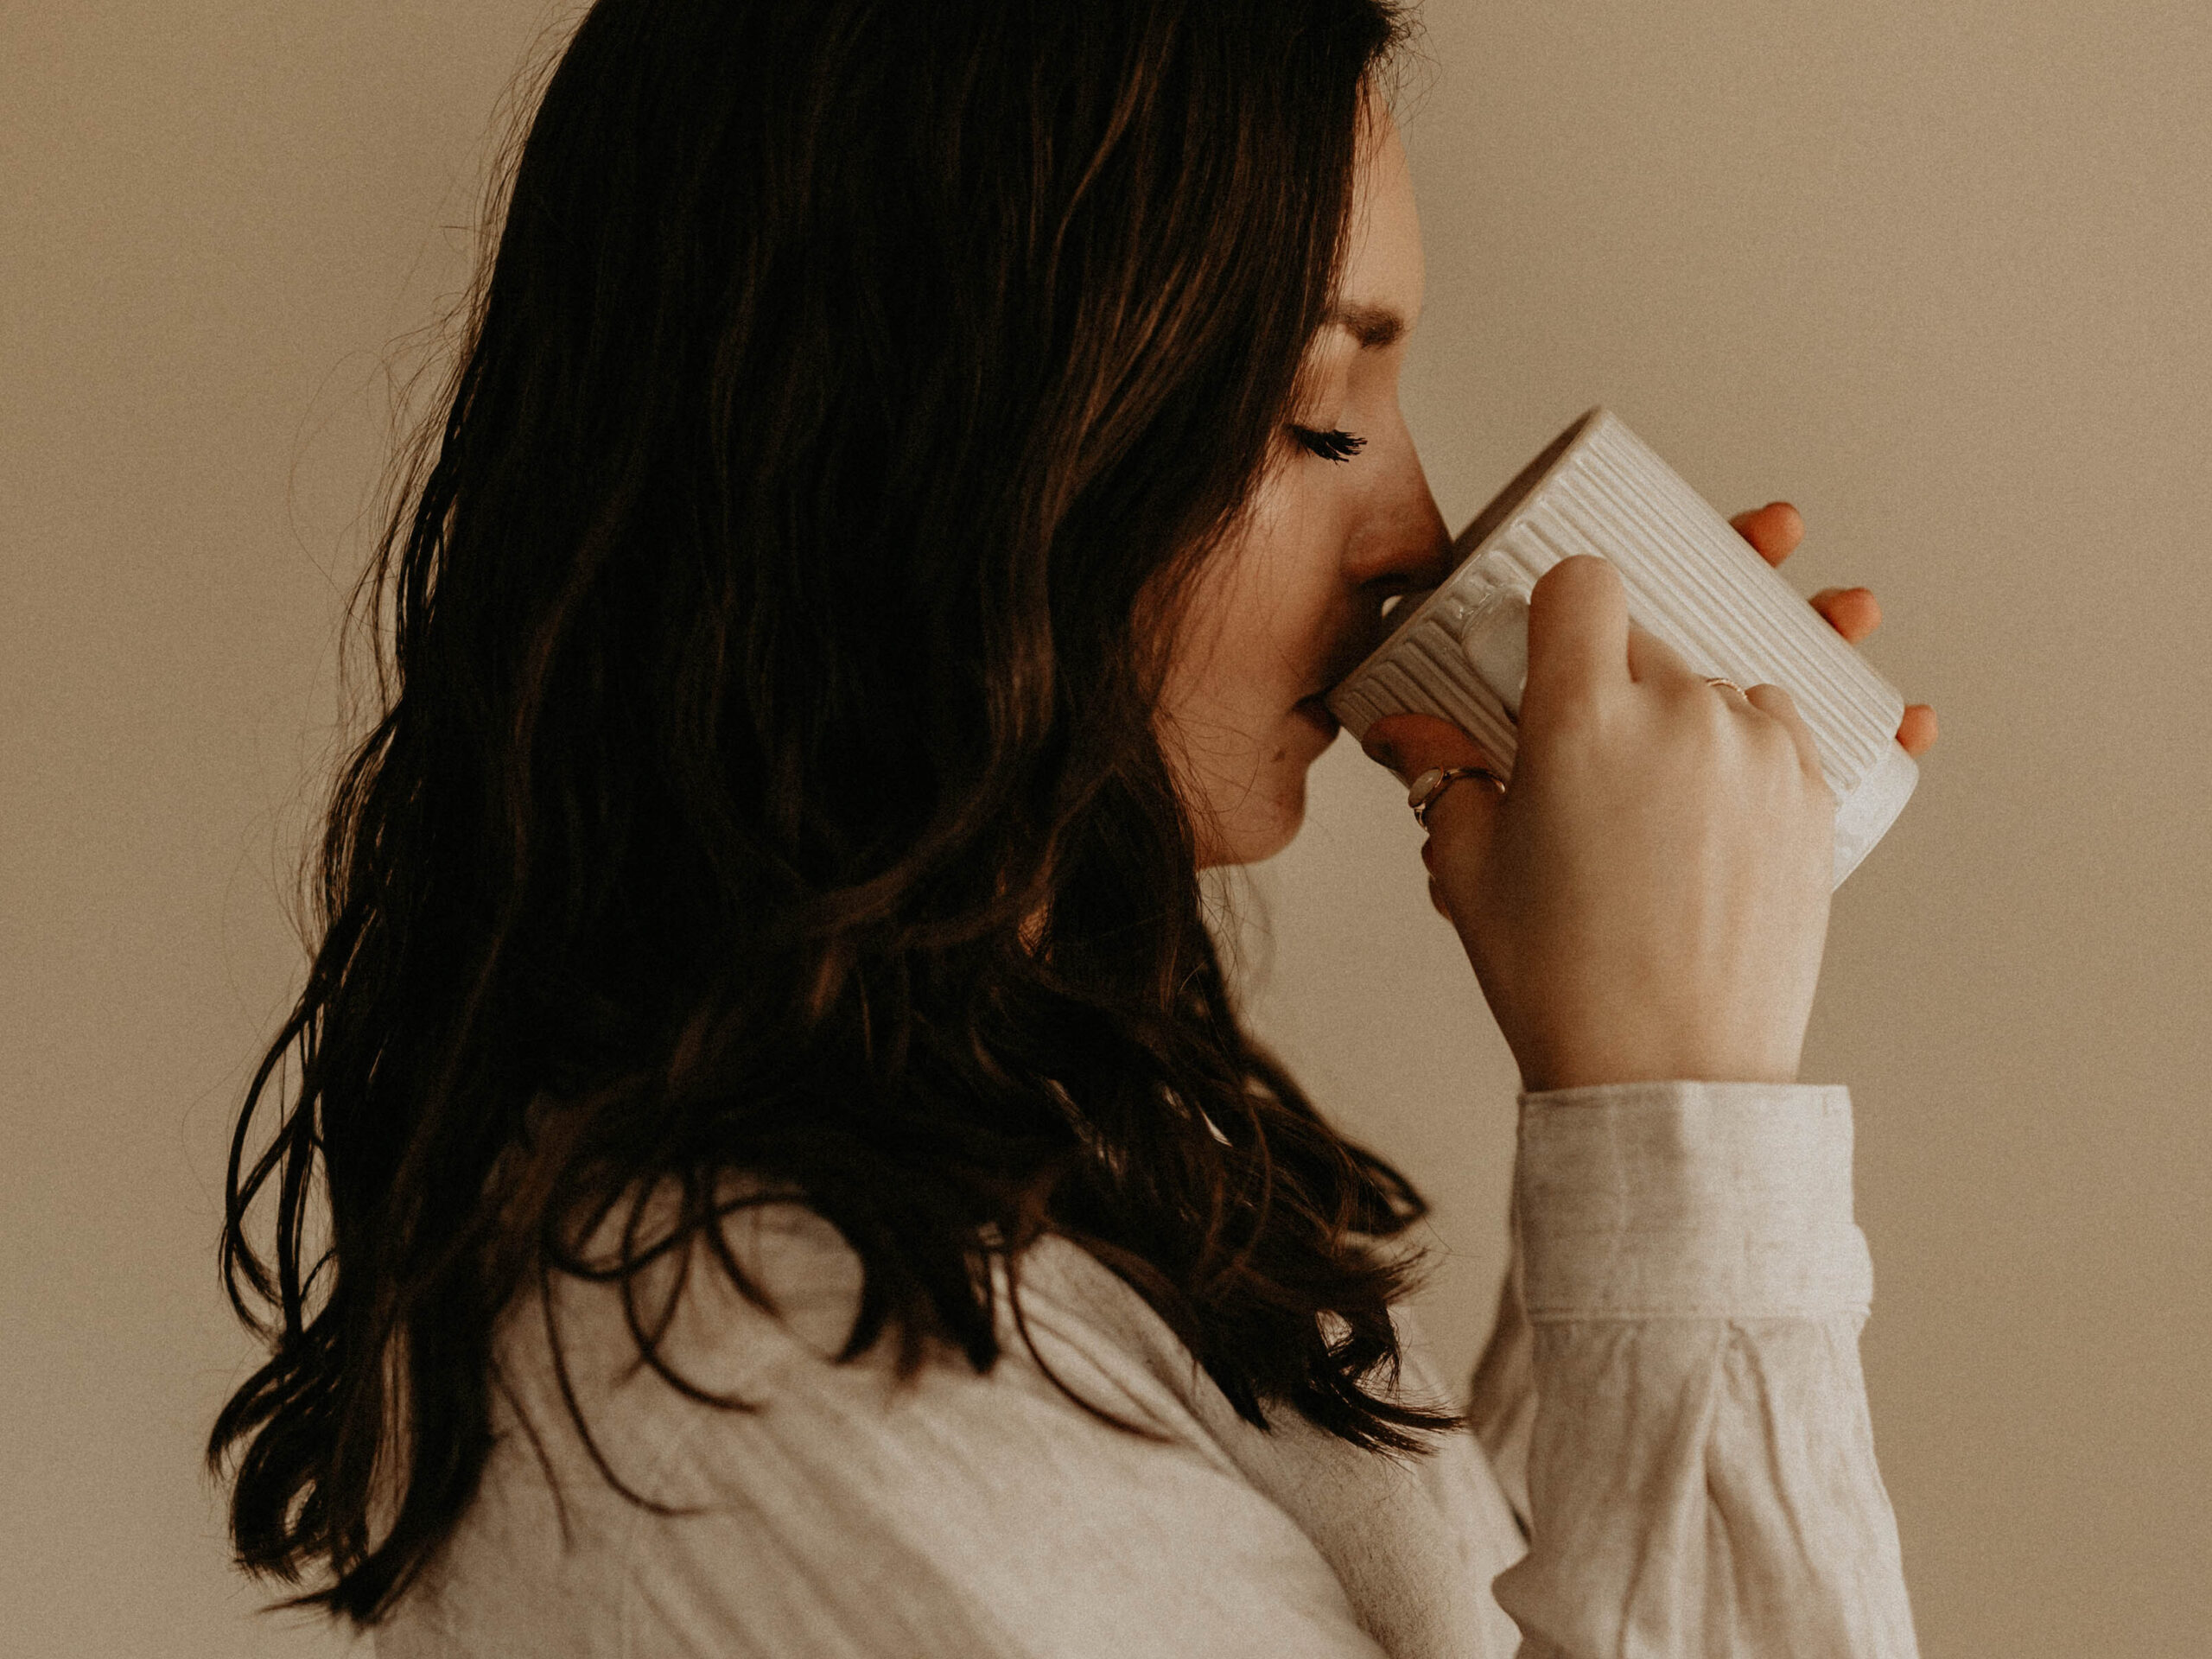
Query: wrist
point(1683, 1065)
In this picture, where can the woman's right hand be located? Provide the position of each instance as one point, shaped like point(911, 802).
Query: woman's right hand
point(1649, 899)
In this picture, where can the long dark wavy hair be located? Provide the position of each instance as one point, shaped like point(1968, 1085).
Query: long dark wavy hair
point(765, 776)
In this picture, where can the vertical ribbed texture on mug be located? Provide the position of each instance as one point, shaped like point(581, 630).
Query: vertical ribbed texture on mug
point(1691, 582)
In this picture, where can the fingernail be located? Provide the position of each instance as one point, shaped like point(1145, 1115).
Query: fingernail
point(1380, 750)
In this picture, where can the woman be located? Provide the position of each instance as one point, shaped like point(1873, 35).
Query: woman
point(796, 1182)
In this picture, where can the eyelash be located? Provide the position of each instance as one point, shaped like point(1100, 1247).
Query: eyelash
point(1330, 445)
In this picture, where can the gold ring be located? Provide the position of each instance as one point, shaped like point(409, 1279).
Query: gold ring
point(1731, 684)
point(1434, 782)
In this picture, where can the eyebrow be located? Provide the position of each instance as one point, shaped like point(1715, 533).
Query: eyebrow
point(1373, 326)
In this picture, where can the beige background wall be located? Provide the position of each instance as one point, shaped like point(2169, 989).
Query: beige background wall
point(1938, 272)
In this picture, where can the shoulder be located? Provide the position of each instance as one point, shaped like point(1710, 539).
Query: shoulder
point(1086, 1372)
point(846, 1509)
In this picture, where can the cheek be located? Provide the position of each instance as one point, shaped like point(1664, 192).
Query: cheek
point(1250, 627)
point(1256, 639)
point(1283, 590)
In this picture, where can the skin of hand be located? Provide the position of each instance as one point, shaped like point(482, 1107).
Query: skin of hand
point(1648, 900)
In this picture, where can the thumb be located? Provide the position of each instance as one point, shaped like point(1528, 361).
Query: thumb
point(1577, 637)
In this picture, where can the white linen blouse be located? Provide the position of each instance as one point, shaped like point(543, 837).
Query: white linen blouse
point(1672, 1453)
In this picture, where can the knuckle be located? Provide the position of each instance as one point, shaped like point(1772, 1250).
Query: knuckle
point(1770, 699)
point(1578, 708)
point(1571, 712)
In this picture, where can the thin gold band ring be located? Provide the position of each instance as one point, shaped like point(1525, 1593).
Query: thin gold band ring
point(1434, 782)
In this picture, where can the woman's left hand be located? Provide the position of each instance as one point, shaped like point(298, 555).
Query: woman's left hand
point(1773, 531)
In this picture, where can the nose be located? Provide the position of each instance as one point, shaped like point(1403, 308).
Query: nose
point(1401, 544)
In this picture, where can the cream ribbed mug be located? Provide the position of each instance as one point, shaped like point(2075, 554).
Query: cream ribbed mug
point(1461, 650)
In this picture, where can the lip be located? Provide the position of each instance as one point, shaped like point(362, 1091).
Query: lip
point(1361, 643)
point(1312, 710)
